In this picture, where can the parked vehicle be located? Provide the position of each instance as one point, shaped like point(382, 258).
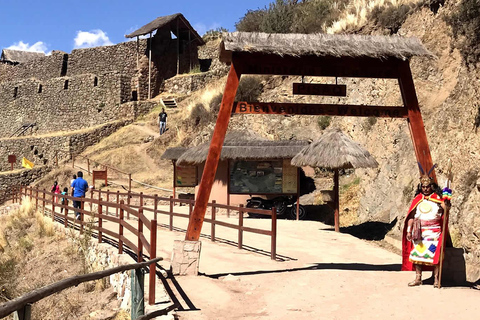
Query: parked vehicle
point(285, 206)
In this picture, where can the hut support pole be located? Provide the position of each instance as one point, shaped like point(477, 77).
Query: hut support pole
point(150, 67)
point(415, 121)
point(138, 49)
point(178, 50)
point(298, 193)
point(211, 164)
point(337, 200)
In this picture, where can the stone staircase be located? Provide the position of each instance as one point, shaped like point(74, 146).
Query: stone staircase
point(169, 103)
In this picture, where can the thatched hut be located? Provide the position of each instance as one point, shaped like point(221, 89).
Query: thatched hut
point(335, 150)
point(249, 165)
point(15, 57)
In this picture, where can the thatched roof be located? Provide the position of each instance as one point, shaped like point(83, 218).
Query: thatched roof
point(173, 153)
point(245, 145)
point(334, 150)
point(322, 45)
point(171, 21)
point(17, 56)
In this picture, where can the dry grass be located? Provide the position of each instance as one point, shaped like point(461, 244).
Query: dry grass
point(357, 12)
point(349, 203)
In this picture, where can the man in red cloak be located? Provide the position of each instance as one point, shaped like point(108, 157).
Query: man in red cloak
point(422, 233)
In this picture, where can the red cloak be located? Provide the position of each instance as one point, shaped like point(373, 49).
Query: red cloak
point(407, 246)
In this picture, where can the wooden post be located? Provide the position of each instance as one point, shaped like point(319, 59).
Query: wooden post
point(174, 177)
point(88, 166)
point(153, 268)
point(190, 207)
point(120, 229)
point(23, 314)
point(128, 203)
point(108, 199)
point(415, 121)
point(73, 160)
point(211, 164)
point(138, 302)
point(171, 214)
point(43, 201)
point(36, 199)
point(178, 50)
point(298, 194)
point(228, 188)
point(274, 235)
point(100, 220)
point(82, 206)
point(141, 199)
point(150, 67)
point(155, 206)
point(214, 216)
point(139, 239)
point(337, 200)
point(129, 182)
point(240, 227)
point(138, 49)
point(65, 220)
point(118, 202)
point(53, 206)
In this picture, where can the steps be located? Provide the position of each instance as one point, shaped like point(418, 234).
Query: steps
point(169, 103)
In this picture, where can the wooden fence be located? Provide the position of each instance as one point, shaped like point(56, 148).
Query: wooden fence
point(49, 201)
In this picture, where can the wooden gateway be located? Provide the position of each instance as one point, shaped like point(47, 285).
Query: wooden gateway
point(320, 55)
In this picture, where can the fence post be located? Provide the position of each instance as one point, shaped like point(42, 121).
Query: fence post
point(53, 206)
point(100, 233)
point(155, 206)
point(214, 215)
point(65, 220)
point(171, 213)
point(240, 227)
point(140, 231)
point(23, 314)
point(118, 202)
point(138, 302)
point(108, 199)
point(36, 199)
point(88, 166)
point(128, 203)
point(153, 255)
point(129, 182)
point(43, 201)
point(82, 206)
point(274, 234)
point(73, 160)
point(120, 229)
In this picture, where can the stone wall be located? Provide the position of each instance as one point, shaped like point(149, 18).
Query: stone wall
point(19, 177)
point(42, 150)
point(63, 104)
point(42, 68)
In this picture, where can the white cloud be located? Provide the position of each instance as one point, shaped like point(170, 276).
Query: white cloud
point(38, 46)
point(93, 38)
point(202, 28)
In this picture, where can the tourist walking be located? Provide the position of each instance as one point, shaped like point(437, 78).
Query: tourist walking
point(80, 187)
point(422, 234)
point(63, 200)
point(162, 121)
point(71, 182)
point(55, 190)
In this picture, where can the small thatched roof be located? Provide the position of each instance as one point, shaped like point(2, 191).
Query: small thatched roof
point(17, 56)
point(321, 45)
point(245, 145)
point(334, 150)
point(173, 153)
point(171, 21)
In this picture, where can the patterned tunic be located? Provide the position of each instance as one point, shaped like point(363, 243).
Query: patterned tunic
point(430, 214)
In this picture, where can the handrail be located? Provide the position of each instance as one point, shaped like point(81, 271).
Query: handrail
point(41, 293)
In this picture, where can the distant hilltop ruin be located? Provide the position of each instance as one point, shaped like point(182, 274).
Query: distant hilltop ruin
point(89, 87)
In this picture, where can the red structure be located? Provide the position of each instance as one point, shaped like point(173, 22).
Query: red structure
point(350, 56)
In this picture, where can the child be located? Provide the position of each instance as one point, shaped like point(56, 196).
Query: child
point(64, 200)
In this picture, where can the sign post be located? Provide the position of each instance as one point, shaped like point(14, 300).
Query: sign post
point(12, 159)
point(100, 175)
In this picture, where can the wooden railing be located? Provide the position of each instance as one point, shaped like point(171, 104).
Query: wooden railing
point(140, 200)
point(21, 305)
point(50, 201)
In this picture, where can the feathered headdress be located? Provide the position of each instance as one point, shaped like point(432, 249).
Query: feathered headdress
point(425, 178)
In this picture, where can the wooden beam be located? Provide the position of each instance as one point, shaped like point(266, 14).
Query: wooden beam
point(336, 188)
point(255, 63)
point(211, 164)
point(320, 89)
point(415, 121)
point(243, 107)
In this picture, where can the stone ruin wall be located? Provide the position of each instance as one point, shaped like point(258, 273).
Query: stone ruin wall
point(42, 150)
point(63, 104)
point(19, 177)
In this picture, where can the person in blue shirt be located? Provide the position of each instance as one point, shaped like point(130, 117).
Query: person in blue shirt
point(80, 187)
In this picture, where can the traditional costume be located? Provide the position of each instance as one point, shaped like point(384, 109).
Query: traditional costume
point(427, 213)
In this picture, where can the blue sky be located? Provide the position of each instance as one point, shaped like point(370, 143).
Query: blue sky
point(66, 25)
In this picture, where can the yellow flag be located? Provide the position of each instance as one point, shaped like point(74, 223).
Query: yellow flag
point(27, 164)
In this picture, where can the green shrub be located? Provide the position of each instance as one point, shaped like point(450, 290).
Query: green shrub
point(369, 123)
point(390, 17)
point(323, 122)
point(465, 24)
point(251, 21)
point(215, 103)
point(213, 34)
point(249, 89)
